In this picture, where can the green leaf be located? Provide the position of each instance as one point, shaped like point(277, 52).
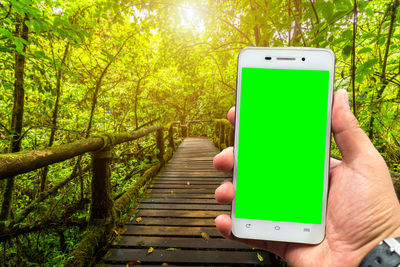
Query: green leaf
point(19, 47)
point(6, 33)
point(346, 52)
point(364, 50)
point(348, 34)
point(368, 64)
point(5, 49)
point(369, 35)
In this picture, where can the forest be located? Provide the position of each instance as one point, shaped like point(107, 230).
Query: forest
point(70, 70)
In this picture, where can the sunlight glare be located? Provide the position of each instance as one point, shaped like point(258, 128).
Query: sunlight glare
point(190, 18)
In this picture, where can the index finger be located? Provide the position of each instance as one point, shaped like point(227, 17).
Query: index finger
point(231, 116)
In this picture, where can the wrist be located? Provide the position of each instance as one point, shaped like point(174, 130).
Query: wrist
point(369, 246)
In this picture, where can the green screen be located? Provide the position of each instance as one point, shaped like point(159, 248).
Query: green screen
point(281, 151)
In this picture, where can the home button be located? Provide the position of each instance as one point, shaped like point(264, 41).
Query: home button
point(277, 228)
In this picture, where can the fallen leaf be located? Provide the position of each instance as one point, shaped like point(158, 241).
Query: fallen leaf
point(164, 264)
point(115, 232)
point(150, 250)
point(138, 219)
point(172, 191)
point(140, 244)
point(188, 183)
point(134, 262)
point(205, 236)
point(260, 258)
point(173, 249)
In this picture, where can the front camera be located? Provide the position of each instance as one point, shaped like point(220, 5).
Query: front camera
point(303, 59)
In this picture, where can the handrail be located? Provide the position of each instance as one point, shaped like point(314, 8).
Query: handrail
point(21, 162)
point(224, 134)
point(103, 210)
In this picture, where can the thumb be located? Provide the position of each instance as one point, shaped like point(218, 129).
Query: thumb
point(349, 137)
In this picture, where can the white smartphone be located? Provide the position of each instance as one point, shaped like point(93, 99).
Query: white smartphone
point(282, 143)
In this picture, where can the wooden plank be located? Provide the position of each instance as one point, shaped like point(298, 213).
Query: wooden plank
point(183, 191)
point(186, 186)
point(200, 169)
point(183, 178)
point(177, 220)
point(184, 182)
point(180, 200)
point(180, 213)
point(165, 206)
point(197, 171)
point(171, 230)
point(186, 256)
point(174, 221)
point(163, 195)
point(189, 175)
point(179, 242)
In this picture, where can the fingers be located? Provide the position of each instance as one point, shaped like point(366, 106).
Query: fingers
point(224, 161)
point(225, 193)
point(231, 115)
point(350, 138)
point(224, 226)
point(334, 163)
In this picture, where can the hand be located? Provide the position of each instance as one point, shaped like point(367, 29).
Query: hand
point(362, 210)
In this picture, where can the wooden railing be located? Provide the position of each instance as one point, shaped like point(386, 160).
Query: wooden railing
point(224, 134)
point(104, 211)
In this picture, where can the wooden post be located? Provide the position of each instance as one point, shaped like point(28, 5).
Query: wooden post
point(102, 204)
point(216, 133)
point(221, 136)
point(184, 131)
point(227, 134)
point(160, 145)
point(171, 136)
point(231, 135)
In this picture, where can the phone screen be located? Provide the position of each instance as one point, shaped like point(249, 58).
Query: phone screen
point(281, 148)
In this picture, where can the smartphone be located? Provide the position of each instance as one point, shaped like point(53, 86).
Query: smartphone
point(282, 143)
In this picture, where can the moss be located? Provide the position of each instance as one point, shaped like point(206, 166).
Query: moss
point(122, 204)
point(85, 250)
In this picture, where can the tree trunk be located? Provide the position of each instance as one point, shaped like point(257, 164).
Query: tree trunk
point(136, 102)
point(383, 80)
point(55, 115)
point(17, 116)
point(353, 58)
point(297, 24)
point(256, 28)
point(98, 86)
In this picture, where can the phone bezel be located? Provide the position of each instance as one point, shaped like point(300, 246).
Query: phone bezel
point(315, 59)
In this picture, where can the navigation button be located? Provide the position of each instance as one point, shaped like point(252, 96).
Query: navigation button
point(277, 228)
point(248, 225)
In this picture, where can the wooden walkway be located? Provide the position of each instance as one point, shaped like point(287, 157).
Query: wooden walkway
point(177, 218)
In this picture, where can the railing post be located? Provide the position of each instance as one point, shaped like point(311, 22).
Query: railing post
point(231, 135)
point(160, 145)
point(184, 131)
point(227, 134)
point(101, 209)
point(216, 132)
point(222, 136)
point(171, 136)
point(188, 130)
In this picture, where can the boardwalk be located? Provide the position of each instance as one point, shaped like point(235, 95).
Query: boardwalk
point(177, 218)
